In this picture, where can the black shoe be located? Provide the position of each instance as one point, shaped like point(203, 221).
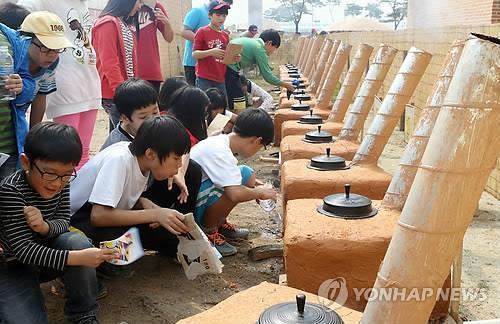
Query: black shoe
point(109, 271)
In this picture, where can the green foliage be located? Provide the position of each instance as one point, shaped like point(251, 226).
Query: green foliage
point(353, 9)
point(373, 10)
point(397, 11)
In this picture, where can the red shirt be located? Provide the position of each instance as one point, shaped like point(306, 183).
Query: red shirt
point(209, 67)
point(148, 53)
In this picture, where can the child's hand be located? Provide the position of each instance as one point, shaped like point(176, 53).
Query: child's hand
point(181, 183)
point(14, 83)
point(35, 220)
point(237, 58)
point(160, 16)
point(171, 220)
point(266, 193)
point(92, 257)
point(288, 86)
point(217, 53)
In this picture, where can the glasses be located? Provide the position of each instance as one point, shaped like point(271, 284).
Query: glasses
point(48, 176)
point(46, 50)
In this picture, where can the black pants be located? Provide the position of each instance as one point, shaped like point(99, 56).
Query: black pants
point(235, 95)
point(190, 74)
point(156, 85)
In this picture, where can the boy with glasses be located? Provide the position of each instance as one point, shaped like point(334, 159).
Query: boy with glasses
point(34, 232)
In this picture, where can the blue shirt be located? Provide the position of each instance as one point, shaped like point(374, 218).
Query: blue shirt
point(194, 20)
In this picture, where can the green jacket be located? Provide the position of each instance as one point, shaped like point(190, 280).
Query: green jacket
point(253, 52)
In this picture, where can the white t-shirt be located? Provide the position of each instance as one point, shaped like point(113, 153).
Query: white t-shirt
point(217, 161)
point(78, 83)
point(111, 178)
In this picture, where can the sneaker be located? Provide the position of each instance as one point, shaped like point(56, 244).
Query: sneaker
point(230, 231)
point(219, 241)
point(110, 271)
point(88, 320)
point(57, 288)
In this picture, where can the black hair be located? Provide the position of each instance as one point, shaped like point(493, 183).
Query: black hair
point(271, 35)
point(121, 9)
point(12, 15)
point(221, 11)
point(189, 105)
point(134, 94)
point(252, 27)
point(167, 90)
point(164, 135)
point(55, 142)
point(217, 100)
point(255, 122)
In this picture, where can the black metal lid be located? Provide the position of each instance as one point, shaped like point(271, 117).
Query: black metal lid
point(300, 106)
point(301, 86)
point(298, 92)
point(318, 136)
point(347, 205)
point(293, 75)
point(299, 312)
point(302, 97)
point(311, 119)
point(327, 162)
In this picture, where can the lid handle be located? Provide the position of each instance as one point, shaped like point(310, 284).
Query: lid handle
point(301, 303)
point(311, 112)
point(347, 189)
point(328, 150)
point(319, 129)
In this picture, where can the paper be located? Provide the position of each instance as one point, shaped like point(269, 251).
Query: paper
point(232, 50)
point(218, 124)
point(128, 245)
point(195, 253)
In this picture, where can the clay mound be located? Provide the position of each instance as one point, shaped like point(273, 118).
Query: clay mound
point(293, 127)
point(287, 103)
point(253, 301)
point(299, 182)
point(282, 115)
point(293, 148)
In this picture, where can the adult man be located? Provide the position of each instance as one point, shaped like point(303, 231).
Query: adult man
point(251, 32)
point(195, 19)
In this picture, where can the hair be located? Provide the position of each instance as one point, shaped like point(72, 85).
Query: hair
point(121, 9)
point(167, 90)
point(55, 142)
point(217, 100)
point(255, 122)
point(12, 15)
point(188, 105)
point(252, 27)
point(271, 35)
point(244, 81)
point(134, 94)
point(164, 135)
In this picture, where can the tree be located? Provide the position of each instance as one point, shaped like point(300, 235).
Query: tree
point(373, 10)
point(293, 10)
point(397, 12)
point(353, 9)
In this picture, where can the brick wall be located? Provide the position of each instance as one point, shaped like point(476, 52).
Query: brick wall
point(432, 13)
point(171, 54)
point(437, 41)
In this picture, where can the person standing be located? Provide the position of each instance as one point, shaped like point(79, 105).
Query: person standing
point(251, 32)
point(195, 19)
point(152, 17)
point(116, 49)
point(78, 94)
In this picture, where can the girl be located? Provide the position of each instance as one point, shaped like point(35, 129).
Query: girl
point(217, 106)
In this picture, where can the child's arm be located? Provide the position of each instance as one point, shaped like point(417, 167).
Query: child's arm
point(267, 99)
point(242, 193)
point(200, 50)
point(170, 219)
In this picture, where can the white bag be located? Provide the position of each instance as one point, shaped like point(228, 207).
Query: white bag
point(195, 252)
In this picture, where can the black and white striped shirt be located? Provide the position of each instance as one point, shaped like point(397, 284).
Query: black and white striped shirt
point(128, 42)
point(17, 238)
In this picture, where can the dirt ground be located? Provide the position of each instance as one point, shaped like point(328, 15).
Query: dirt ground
point(160, 293)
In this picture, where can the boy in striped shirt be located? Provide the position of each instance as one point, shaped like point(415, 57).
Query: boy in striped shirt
point(34, 221)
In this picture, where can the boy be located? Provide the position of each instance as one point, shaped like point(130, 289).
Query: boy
point(224, 184)
point(106, 198)
point(252, 90)
point(254, 51)
point(34, 209)
point(209, 47)
point(137, 101)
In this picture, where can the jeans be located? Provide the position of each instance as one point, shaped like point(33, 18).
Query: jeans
point(113, 114)
point(21, 300)
point(9, 167)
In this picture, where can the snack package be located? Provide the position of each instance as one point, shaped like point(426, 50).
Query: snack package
point(128, 245)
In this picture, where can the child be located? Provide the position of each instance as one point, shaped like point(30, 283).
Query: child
point(252, 90)
point(209, 47)
point(136, 101)
point(218, 106)
point(34, 209)
point(168, 88)
point(106, 198)
point(224, 184)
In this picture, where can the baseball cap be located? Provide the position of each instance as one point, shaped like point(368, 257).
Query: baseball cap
point(48, 28)
point(252, 28)
point(218, 5)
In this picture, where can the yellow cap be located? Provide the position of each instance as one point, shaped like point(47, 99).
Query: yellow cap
point(48, 28)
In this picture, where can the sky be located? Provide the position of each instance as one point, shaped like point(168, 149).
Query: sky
point(323, 17)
